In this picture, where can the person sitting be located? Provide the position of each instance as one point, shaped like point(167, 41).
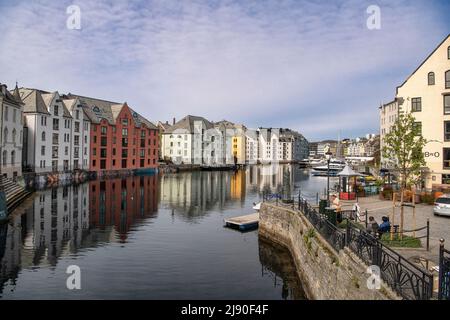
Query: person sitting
point(372, 226)
point(385, 226)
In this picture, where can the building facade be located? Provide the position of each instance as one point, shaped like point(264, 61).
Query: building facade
point(120, 138)
point(426, 94)
point(11, 132)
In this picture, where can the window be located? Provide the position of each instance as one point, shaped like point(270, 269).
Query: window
point(416, 104)
point(6, 113)
point(446, 158)
point(5, 135)
point(103, 141)
point(447, 79)
point(124, 163)
point(42, 150)
point(14, 136)
point(54, 152)
point(125, 121)
point(431, 81)
point(55, 165)
point(125, 142)
point(447, 104)
point(77, 114)
point(103, 153)
point(125, 132)
point(14, 115)
point(102, 164)
point(66, 151)
point(55, 124)
point(77, 127)
point(418, 127)
point(55, 138)
point(124, 153)
point(448, 53)
point(103, 130)
point(13, 157)
point(142, 152)
point(76, 140)
point(4, 155)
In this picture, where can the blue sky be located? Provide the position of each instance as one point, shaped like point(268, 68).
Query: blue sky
point(313, 66)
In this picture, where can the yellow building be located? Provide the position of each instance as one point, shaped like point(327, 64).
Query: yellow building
point(238, 148)
point(426, 93)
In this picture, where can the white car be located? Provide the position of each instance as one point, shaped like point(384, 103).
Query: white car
point(442, 206)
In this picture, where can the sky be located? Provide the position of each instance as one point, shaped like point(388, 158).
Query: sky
point(312, 66)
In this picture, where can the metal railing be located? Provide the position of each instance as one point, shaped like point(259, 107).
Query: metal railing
point(408, 280)
point(444, 272)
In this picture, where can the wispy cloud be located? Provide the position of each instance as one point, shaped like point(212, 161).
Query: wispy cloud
point(280, 63)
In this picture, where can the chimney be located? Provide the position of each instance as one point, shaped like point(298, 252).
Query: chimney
point(174, 120)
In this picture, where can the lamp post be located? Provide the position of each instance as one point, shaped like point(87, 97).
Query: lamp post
point(328, 155)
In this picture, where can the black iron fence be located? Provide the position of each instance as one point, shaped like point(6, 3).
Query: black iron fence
point(444, 272)
point(410, 281)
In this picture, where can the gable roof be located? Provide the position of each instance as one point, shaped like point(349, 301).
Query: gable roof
point(50, 97)
point(33, 101)
point(426, 59)
point(97, 109)
point(11, 97)
point(187, 123)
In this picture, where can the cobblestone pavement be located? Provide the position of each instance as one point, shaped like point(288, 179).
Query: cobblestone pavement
point(439, 226)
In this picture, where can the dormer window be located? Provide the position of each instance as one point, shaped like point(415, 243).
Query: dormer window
point(55, 110)
point(431, 80)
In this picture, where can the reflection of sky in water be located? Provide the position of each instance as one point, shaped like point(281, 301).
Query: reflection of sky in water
point(149, 237)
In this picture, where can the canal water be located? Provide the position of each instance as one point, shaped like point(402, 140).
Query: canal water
point(151, 237)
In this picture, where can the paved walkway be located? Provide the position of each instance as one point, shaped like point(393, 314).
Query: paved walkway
point(439, 226)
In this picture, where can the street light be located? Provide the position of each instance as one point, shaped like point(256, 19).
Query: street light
point(328, 155)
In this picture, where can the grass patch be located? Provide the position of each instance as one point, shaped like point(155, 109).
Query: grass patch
point(407, 242)
point(343, 225)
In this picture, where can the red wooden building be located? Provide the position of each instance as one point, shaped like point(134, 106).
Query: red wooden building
point(120, 137)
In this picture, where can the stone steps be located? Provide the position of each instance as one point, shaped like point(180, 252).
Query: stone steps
point(14, 193)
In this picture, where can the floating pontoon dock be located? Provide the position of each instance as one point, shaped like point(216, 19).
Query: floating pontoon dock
point(243, 223)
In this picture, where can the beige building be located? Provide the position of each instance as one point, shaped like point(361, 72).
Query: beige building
point(426, 93)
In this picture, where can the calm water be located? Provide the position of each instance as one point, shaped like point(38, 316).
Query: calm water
point(150, 238)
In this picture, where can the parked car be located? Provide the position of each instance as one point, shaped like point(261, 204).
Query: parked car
point(442, 206)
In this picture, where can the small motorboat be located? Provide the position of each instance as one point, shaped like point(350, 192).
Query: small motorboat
point(256, 206)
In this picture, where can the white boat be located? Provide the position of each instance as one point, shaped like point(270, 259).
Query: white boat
point(257, 206)
point(335, 167)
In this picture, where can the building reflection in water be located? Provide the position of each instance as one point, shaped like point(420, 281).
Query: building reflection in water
point(63, 221)
point(121, 202)
point(60, 221)
point(277, 263)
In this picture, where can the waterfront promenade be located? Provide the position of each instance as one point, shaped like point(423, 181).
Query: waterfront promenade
point(439, 225)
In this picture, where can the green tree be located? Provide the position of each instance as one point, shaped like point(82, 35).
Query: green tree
point(403, 146)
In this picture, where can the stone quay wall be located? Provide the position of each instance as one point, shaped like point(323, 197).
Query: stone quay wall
point(324, 273)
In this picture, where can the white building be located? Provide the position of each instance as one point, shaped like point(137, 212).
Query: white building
point(11, 132)
point(80, 134)
point(193, 140)
point(251, 146)
point(53, 141)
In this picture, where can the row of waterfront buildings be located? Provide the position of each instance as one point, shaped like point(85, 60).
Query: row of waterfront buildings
point(367, 146)
point(48, 132)
point(198, 141)
point(426, 94)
